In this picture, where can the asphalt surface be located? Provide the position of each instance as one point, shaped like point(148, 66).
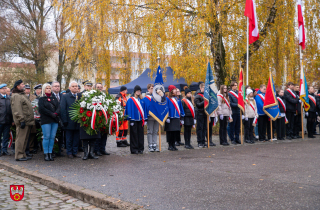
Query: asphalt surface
point(270, 175)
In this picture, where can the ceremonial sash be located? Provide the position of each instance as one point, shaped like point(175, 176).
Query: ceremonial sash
point(313, 100)
point(190, 106)
point(255, 121)
point(225, 100)
point(251, 105)
point(282, 103)
point(286, 120)
point(293, 95)
point(205, 101)
point(138, 105)
point(175, 104)
point(261, 96)
point(148, 97)
point(234, 94)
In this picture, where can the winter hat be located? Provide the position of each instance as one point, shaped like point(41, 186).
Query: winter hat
point(136, 88)
point(123, 88)
point(17, 83)
point(186, 90)
point(171, 87)
point(249, 91)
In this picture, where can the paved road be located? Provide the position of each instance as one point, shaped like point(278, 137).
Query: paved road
point(36, 196)
point(278, 175)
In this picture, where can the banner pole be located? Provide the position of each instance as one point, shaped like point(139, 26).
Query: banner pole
point(208, 130)
point(271, 130)
point(247, 51)
point(159, 137)
point(302, 130)
point(241, 127)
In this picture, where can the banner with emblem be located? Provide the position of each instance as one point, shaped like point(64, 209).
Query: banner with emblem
point(270, 106)
point(210, 96)
point(158, 108)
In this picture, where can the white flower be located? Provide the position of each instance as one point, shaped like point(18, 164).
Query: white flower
point(83, 104)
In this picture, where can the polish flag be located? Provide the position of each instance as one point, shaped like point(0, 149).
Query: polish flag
point(250, 12)
point(302, 37)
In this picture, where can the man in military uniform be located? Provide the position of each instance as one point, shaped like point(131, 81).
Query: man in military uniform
point(37, 90)
point(23, 118)
point(123, 129)
point(87, 85)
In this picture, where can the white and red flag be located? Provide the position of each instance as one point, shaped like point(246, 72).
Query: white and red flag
point(250, 12)
point(302, 36)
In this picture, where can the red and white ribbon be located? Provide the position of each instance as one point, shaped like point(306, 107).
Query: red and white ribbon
point(255, 120)
point(293, 95)
point(234, 94)
point(190, 106)
point(114, 122)
point(10, 139)
point(94, 114)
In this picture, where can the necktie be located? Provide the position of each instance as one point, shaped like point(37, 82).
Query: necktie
point(57, 95)
point(5, 96)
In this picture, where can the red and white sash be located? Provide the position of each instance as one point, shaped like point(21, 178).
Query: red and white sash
point(255, 121)
point(175, 104)
point(251, 104)
point(205, 101)
point(290, 91)
point(190, 106)
point(261, 96)
point(282, 103)
point(313, 100)
point(233, 93)
point(148, 97)
point(139, 107)
point(225, 100)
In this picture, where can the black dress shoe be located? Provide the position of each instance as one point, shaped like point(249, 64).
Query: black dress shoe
point(212, 144)
point(120, 144)
point(125, 142)
point(135, 153)
point(233, 142)
point(238, 142)
point(289, 138)
point(6, 153)
point(70, 156)
point(170, 148)
point(248, 142)
point(22, 159)
point(177, 144)
point(29, 155)
point(189, 147)
point(175, 148)
point(104, 153)
point(181, 144)
point(225, 144)
point(98, 153)
point(140, 152)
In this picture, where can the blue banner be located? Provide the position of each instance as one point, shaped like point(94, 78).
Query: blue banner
point(210, 96)
point(270, 106)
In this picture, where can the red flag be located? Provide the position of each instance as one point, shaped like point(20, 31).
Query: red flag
point(250, 12)
point(240, 95)
point(302, 37)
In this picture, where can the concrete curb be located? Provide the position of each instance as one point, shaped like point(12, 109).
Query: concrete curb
point(89, 196)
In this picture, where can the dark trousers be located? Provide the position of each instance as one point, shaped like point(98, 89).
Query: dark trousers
point(187, 134)
point(4, 137)
point(264, 126)
point(310, 125)
point(223, 130)
point(172, 136)
point(290, 125)
point(297, 125)
point(101, 143)
point(72, 137)
point(210, 128)
point(179, 139)
point(136, 136)
point(201, 128)
point(280, 127)
point(60, 139)
point(248, 127)
point(235, 128)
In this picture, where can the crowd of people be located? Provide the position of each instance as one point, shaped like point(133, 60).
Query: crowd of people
point(188, 111)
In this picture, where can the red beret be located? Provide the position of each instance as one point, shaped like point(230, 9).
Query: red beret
point(171, 87)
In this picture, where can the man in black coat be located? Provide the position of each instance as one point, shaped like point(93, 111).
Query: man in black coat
point(201, 118)
point(235, 124)
point(71, 127)
point(292, 101)
point(6, 119)
point(311, 113)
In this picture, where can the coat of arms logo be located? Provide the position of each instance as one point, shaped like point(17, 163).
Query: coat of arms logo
point(16, 192)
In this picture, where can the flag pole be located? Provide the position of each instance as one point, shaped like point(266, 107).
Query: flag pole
point(302, 130)
point(208, 117)
point(241, 127)
point(247, 51)
point(271, 130)
point(158, 58)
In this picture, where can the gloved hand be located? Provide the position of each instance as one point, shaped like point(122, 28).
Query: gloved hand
point(145, 123)
point(22, 125)
point(243, 117)
point(65, 124)
point(168, 120)
point(194, 121)
point(131, 124)
point(221, 117)
point(307, 114)
point(246, 119)
point(182, 122)
point(299, 101)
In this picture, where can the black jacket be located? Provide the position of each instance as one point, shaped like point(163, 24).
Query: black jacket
point(313, 107)
point(48, 106)
point(188, 118)
point(66, 102)
point(199, 104)
point(291, 102)
point(280, 106)
point(234, 103)
point(318, 103)
point(299, 104)
point(5, 110)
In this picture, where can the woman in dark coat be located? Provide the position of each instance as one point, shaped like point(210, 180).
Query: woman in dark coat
point(188, 107)
point(49, 110)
